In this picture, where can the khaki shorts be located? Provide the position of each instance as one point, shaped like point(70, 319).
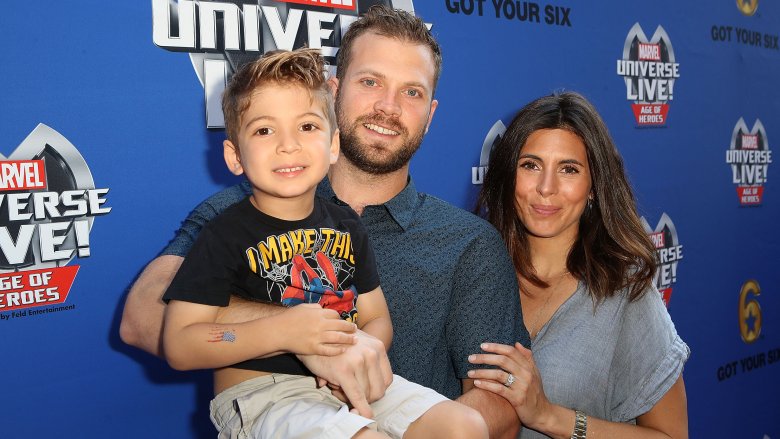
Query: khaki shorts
point(291, 406)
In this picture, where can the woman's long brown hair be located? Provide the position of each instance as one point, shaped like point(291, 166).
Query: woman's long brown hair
point(612, 251)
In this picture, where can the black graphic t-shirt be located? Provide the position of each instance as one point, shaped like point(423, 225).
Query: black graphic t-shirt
point(325, 258)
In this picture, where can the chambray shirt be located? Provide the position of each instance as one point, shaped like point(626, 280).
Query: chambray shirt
point(614, 361)
point(445, 273)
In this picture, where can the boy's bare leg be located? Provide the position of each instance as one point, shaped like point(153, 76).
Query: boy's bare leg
point(451, 420)
point(367, 433)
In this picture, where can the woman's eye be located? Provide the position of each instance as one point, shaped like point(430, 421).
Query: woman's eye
point(528, 165)
point(570, 170)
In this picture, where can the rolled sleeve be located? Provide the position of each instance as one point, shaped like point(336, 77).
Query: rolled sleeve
point(486, 301)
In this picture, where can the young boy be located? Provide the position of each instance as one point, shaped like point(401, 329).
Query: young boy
point(283, 245)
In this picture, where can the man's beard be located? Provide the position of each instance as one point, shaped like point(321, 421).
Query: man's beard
point(364, 156)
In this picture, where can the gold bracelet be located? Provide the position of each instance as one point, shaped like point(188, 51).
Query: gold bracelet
point(580, 425)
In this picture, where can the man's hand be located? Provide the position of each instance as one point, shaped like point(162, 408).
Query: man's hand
point(362, 372)
point(312, 330)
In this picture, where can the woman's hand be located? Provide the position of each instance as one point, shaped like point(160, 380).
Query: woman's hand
point(524, 391)
point(667, 419)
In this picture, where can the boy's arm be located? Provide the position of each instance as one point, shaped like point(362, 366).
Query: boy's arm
point(142, 318)
point(193, 340)
point(374, 317)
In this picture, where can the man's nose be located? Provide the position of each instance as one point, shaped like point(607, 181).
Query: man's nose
point(388, 104)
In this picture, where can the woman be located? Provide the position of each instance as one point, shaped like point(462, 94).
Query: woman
point(607, 361)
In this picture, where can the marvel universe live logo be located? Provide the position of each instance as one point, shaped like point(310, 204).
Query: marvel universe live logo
point(192, 26)
point(667, 256)
point(744, 36)
point(492, 138)
point(529, 12)
point(46, 215)
point(38, 223)
point(669, 252)
point(749, 157)
point(649, 71)
point(48, 202)
point(222, 35)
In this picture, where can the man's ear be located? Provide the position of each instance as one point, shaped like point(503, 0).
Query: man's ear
point(333, 83)
point(335, 146)
point(232, 157)
point(434, 105)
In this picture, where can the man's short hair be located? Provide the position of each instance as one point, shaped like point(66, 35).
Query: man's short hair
point(281, 68)
point(391, 23)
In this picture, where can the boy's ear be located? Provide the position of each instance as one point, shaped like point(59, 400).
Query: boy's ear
point(232, 157)
point(333, 83)
point(335, 146)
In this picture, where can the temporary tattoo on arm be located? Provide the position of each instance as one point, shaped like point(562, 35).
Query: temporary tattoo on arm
point(218, 335)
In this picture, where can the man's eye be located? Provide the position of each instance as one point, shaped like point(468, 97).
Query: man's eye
point(413, 93)
point(369, 82)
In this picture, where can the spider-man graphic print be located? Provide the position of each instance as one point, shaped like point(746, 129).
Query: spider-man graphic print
point(319, 285)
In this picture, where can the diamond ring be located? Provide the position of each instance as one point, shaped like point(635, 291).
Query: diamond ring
point(509, 380)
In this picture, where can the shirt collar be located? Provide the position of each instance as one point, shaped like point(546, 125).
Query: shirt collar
point(401, 207)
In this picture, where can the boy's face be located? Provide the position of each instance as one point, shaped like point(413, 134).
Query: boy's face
point(285, 147)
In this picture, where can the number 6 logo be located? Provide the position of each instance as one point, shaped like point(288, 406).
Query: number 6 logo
point(749, 312)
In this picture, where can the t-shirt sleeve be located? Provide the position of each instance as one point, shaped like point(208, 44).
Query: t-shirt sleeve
point(485, 301)
point(366, 277)
point(206, 211)
point(648, 358)
point(205, 275)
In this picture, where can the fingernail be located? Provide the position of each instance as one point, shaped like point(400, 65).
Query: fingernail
point(470, 373)
point(483, 345)
point(472, 357)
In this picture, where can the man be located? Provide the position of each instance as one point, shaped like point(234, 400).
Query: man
point(447, 278)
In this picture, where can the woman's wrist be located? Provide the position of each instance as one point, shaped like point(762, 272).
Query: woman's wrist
point(558, 422)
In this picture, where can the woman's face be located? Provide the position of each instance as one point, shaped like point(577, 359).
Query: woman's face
point(552, 184)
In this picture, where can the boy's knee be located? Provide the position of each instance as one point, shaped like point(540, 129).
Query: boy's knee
point(467, 423)
point(451, 420)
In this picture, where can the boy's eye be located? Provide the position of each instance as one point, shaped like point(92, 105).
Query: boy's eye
point(308, 127)
point(264, 131)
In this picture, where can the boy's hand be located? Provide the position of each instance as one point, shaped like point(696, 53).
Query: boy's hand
point(312, 330)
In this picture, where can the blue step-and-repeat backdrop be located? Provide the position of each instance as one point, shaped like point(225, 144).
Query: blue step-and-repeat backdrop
point(110, 134)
